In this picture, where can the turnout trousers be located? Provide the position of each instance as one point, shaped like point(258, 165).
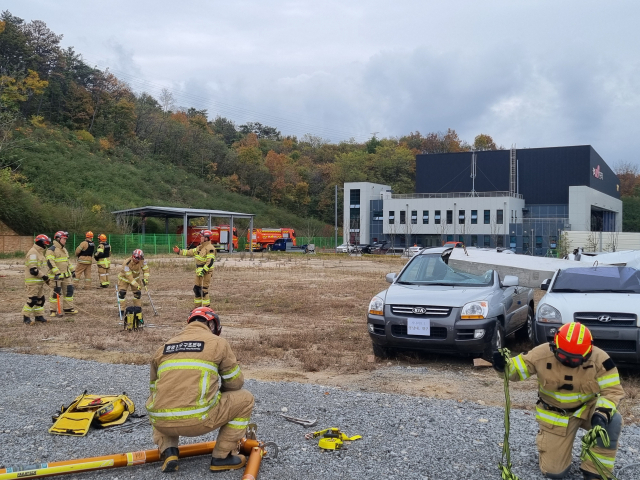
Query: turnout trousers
point(66, 294)
point(555, 449)
point(231, 416)
point(122, 293)
point(103, 274)
point(201, 290)
point(35, 300)
point(83, 274)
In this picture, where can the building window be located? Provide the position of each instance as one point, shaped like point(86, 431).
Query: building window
point(436, 217)
point(474, 240)
point(525, 243)
point(414, 217)
point(512, 241)
point(449, 238)
point(538, 242)
point(425, 216)
point(403, 217)
point(449, 217)
point(553, 241)
point(500, 241)
point(392, 217)
point(354, 198)
point(487, 217)
point(487, 240)
point(500, 217)
point(461, 238)
point(474, 217)
point(461, 217)
point(378, 215)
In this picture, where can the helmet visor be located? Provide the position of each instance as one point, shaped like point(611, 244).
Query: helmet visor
point(569, 359)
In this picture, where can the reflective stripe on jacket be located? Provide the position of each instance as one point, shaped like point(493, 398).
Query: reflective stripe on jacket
point(130, 271)
point(185, 373)
point(205, 255)
point(35, 259)
point(58, 260)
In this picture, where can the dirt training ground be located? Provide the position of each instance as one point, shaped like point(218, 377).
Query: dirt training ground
point(287, 316)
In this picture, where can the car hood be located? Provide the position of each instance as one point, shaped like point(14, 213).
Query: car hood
point(569, 303)
point(434, 295)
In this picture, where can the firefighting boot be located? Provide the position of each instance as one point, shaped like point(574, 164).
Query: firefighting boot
point(41, 319)
point(169, 460)
point(53, 314)
point(230, 462)
point(27, 320)
point(139, 322)
point(70, 311)
point(129, 322)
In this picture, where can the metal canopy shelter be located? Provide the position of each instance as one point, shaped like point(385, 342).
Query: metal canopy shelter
point(185, 214)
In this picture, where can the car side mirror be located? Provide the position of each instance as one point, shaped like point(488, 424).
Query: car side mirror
point(545, 284)
point(510, 281)
point(390, 277)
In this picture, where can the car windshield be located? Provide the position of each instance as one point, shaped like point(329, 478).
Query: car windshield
point(432, 270)
point(598, 280)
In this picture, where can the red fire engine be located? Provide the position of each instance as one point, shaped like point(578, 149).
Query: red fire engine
point(220, 238)
point(264, 238)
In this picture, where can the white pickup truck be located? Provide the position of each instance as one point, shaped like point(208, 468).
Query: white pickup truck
point(604, 298)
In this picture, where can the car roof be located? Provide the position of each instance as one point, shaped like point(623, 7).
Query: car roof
point(434, 250)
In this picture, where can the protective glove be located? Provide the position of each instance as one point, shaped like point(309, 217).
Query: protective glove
point(33, 271)
point(135, 285)
point(57, 290)
point(45, 278)
point(73, 274)
point(56, 277)
point(200, 272)
point(145, 281)
point(599, 418)
point(176, 249)
point(498, 362)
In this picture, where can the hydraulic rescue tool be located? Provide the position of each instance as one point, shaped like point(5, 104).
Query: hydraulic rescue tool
point(119, 308)
point(255, 449)
point(332, 438)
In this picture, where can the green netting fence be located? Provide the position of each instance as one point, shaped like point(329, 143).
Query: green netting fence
point(157, 243)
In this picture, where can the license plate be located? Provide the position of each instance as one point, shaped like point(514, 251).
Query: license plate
point(419, 326)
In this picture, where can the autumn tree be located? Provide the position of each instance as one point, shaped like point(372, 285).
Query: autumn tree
point(484, 142)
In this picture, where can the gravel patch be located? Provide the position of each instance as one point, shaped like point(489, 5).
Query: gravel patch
point(432, 439)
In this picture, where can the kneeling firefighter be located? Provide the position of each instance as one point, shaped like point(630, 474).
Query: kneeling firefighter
point(129, 277)
point(205, 255)
point(579, 387)
point(35, 276)
point(185, 399)
point(103, 252)
point(63, 273)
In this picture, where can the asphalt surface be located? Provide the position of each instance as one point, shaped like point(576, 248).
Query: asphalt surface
point(403, 436)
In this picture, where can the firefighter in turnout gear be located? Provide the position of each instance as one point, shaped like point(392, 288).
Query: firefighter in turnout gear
point(102, 255)
point(133, 274)
point(579, 387)
point(62, 272)
point(84, 252)
point(35, 276)
point(185, 399)
point(205, 255)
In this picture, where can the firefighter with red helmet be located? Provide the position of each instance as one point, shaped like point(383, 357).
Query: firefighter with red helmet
point(205, 255)
point(62, 271)
point(35, 276)
point(579, 387)
point(185, 399)
point(133, 275)
point(103, 252)
point(84, 252)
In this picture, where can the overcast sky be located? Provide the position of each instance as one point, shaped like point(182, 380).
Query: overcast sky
point(534, 73)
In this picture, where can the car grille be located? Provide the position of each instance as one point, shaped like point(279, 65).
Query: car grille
point(429, 311)
point(617, 319)
point(437, 333)
point(616, 345)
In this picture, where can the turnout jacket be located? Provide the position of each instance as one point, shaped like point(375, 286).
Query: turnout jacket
point(35, 259)
point(58, 260)
point(130, 272)
point(85, 250)
point(568, 392)
point(205, 255)
point(102, 255)
point(184, 377)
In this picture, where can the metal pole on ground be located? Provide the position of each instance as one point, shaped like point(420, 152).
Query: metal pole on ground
point(335, 246)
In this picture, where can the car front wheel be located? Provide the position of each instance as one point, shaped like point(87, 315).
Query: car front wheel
point(380, 351)
point(527, 332)
point(497, 341)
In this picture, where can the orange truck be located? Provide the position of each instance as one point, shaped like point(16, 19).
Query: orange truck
point(264, 238)
point(220, 238)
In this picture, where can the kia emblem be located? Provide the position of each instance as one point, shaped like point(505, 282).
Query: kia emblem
point(604, 318)
point(419, 310)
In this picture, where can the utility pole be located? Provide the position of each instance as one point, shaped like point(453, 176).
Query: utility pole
point(335, 247)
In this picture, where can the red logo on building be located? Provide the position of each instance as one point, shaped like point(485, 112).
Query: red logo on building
point(597, 173)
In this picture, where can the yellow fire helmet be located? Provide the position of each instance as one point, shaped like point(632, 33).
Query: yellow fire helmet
point(115, 412)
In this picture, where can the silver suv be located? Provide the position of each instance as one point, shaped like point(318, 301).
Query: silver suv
point(431, 306)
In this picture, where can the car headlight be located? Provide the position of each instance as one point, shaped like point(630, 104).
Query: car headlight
point(376, 306)
point(548, 314)
point(475, 310)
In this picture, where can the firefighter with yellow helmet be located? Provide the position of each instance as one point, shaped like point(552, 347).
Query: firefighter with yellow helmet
point(579, 387)
point(205, 255)
point(185, 399)
point(103, 252)
point(134, 273)
point(35, 276)
point(62, 271)
point(84, 252)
